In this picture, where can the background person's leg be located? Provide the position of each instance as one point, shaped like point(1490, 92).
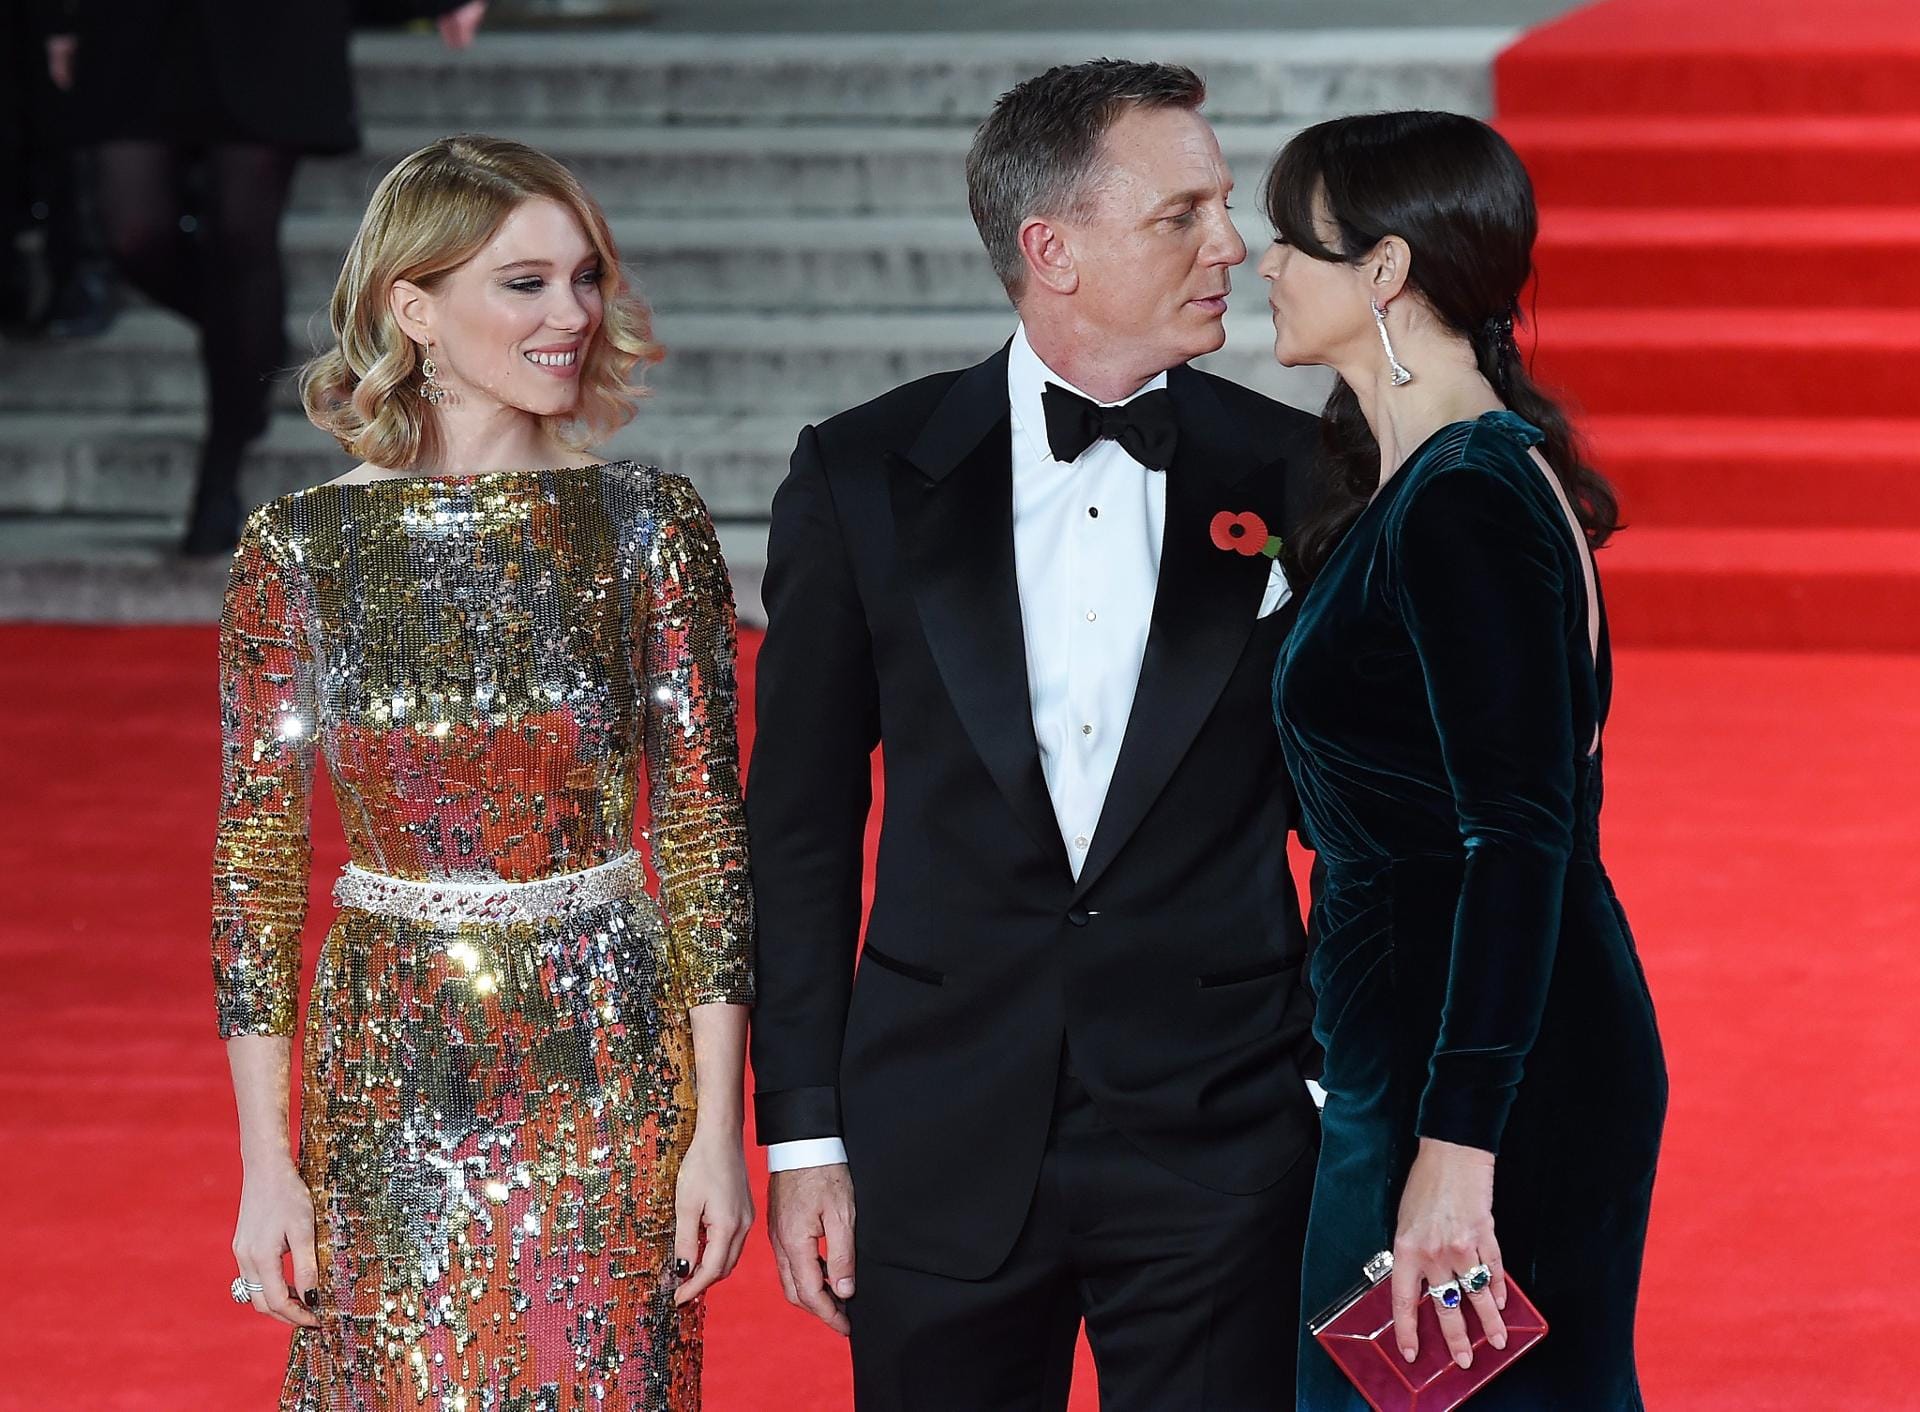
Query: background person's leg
point(243, 337)
point(143, 211)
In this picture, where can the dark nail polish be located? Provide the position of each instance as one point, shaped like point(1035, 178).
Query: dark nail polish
point(311, 1299)
point(682, 1268)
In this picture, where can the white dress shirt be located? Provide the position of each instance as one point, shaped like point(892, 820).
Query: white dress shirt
point(1086, 557)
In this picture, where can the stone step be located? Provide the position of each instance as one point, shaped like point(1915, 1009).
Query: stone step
point(765, 172)
point(794, 205)
point(123, 568)
point(625, 78)
point(144, 465)
point(824, 263)
point(928, 263)
point(805, 364)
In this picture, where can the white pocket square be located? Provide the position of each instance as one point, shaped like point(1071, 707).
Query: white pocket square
point(1278, 591)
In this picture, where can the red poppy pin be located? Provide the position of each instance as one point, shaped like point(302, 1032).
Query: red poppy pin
point(1244, 533)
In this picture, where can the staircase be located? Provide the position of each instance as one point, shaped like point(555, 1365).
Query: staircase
point(1730, 194)
point(794, 207)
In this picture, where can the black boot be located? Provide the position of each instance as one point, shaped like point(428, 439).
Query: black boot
point(213, 525)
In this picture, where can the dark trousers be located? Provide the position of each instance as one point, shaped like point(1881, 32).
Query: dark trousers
point(1191, 1297)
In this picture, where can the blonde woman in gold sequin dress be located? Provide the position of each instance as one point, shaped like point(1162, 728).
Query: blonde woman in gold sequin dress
point(520, 1159)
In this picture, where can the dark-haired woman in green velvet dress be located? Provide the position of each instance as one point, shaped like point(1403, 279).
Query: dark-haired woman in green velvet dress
point(1496, 1088)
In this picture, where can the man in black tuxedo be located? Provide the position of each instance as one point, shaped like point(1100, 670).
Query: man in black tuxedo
point(1066, 1083)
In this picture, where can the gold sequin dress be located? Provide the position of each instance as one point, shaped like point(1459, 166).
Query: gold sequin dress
point(498, 1080)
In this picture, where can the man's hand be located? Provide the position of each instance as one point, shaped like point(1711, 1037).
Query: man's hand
point(804, 1207)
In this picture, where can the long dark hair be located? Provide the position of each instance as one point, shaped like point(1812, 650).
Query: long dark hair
point(1452, 188)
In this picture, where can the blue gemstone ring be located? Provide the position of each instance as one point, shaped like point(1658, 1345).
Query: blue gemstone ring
point(1447, 1296)
point(1477, 1279)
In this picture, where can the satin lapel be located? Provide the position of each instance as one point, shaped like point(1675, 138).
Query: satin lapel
point(1204, 610)
point(953, 523)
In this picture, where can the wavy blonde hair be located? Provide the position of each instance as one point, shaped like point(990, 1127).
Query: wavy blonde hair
point(431, 214)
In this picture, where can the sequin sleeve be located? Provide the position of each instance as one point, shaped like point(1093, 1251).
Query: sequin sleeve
point(693, 753)
point(262, 847)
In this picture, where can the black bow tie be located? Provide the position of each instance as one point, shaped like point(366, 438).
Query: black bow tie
point(1145, 427)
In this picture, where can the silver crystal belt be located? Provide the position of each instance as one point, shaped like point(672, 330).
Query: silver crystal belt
point(453, 903)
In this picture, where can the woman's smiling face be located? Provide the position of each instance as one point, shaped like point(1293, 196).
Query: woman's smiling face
point(514, 324)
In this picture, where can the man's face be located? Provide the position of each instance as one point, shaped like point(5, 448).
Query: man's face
point(1155, 251)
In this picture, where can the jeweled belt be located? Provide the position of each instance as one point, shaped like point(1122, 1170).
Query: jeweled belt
point(449, 903)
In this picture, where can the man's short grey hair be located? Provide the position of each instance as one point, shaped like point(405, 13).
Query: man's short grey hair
point(1037, 152)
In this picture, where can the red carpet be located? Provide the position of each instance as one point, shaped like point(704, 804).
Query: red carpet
point(1761, 817)
point(1730, 202)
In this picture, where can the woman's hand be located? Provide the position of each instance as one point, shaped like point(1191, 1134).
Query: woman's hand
point(276, 1216)
point(713, 1208)
point(458, 27)
point(1446, 1228)
point(60, 51)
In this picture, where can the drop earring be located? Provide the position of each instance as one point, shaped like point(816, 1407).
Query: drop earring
point(431, 392)
point(1401, 377)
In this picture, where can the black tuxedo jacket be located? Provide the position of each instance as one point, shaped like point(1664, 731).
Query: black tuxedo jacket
point(1170, 971)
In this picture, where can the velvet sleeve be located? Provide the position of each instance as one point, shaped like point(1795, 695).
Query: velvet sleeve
point(699, 827)
point(1482, 587)
point(262, 851)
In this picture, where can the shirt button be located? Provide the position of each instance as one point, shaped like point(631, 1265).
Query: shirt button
point(1093, 512)
point(1086, 730)
point(1080, 842)
point(1091, 615)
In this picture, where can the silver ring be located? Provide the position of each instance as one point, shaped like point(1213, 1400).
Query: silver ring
point(242, 1290)
point(1476, 1279)
point(1447, 1295)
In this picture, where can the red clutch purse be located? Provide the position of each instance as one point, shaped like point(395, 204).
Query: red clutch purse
point(1357, 1332)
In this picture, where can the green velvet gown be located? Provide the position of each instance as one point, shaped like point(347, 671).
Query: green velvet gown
point(1475, 978)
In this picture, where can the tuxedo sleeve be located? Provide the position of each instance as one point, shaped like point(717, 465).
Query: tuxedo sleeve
point(809, 788)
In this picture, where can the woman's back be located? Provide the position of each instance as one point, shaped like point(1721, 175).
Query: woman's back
point(1445, 643)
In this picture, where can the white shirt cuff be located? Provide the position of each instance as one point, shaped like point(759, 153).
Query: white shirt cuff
point(806, 1152)
point(1317, 1094)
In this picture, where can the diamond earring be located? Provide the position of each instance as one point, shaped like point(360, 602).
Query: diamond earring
point(431, 392)
point(1401, 377)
